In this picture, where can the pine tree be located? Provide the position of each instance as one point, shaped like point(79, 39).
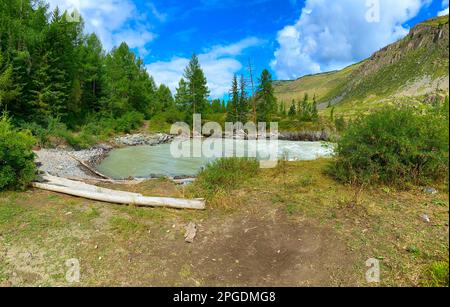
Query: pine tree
point(266, 101)
point(182, 98)
point(197, 86)
point(233, 103)
point(216, 106)
point(164, 99)
point(224, 107)
point(8, 91)
point(292, 110)
point(243, 108)
point(92, 72)
point(315, 111)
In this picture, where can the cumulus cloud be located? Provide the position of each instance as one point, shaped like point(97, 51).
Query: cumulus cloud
point(445, 8)
point(114, 21)
point(219, 65)
point(333, 34)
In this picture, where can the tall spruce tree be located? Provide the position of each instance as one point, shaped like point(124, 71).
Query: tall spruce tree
point(197, 86)
point(233, 102)
point(243, 101)
point(266, 101)
point(8, 91)
point(182, 98)
point(164, 99)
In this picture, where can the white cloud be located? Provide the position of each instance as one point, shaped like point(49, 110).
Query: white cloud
point(114, 21)
point(219, 65)
point(332, 34)
point(445, 8)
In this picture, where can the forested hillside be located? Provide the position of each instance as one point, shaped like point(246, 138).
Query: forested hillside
point(52, 69)
point(57, 81)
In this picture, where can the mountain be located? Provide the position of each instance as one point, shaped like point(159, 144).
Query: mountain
point(413, 67)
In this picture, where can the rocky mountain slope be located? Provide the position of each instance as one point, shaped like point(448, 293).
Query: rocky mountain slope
point(415, 66)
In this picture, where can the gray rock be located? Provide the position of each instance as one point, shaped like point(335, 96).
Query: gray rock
point(426, 218)
point(431, 191)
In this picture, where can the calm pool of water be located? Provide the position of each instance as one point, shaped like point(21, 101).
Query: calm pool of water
point(148, 161)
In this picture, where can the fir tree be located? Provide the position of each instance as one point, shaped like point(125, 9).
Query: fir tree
point(197, 86)
point(266, 101)
point(233, 103)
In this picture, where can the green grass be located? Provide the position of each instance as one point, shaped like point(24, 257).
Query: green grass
point(126, 226)
point(321, 85)
point(437, 22)
point(437, 275)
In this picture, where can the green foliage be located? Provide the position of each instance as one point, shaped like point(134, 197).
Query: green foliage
point(340, 124)
point(192, 93)
point(395, 146)
point(163, 121)
point(164, 99)
point(225, 175)
point(233, 103)
point(243, 105)
point(307, 111)
point(8, 91)
point(17, 168)
point(99, 128)
point(293, 110)
point(129, 122)
point(129, 86)
point(437, 275)
point(50, 69)
point(266, 101)
point(238, 108)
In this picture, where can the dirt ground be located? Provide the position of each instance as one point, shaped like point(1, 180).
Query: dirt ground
point(309, 236)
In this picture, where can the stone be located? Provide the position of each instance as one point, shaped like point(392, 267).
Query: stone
point(191, 232)
point(431, 191)
point(426, 218)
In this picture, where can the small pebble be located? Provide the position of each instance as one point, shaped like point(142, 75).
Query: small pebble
point(426, 218)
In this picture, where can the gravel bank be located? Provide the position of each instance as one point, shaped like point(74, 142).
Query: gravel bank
point(59, 163)
point(143, 139)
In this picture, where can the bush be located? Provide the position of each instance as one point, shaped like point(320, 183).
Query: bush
point(17, 168)
point(394, 146)
point(162, 122)
point(99, 128)
point(225, 174)
point(129, 122)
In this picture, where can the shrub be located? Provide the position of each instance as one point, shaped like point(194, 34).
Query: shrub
point(41, 134)
point(394, 146)
point(129, 122)
point(340, 124)
point(162, 122)
point(17, 168)
point(225, 174)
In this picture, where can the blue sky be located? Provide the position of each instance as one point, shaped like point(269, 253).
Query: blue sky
point(290, 37)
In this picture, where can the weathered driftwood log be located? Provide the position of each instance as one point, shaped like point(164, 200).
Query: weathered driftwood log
point(74, 188)
point(89, 167)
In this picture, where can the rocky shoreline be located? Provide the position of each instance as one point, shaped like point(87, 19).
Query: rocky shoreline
point(143, 139)
point(305, 136)
point(63, 162)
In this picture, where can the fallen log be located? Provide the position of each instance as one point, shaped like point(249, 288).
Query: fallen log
point(107, 181)
point(78, 189)
point(89, 167)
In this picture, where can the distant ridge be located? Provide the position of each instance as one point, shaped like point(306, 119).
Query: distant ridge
point(416, 65)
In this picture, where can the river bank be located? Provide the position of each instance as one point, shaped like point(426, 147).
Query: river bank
point(63, 162)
